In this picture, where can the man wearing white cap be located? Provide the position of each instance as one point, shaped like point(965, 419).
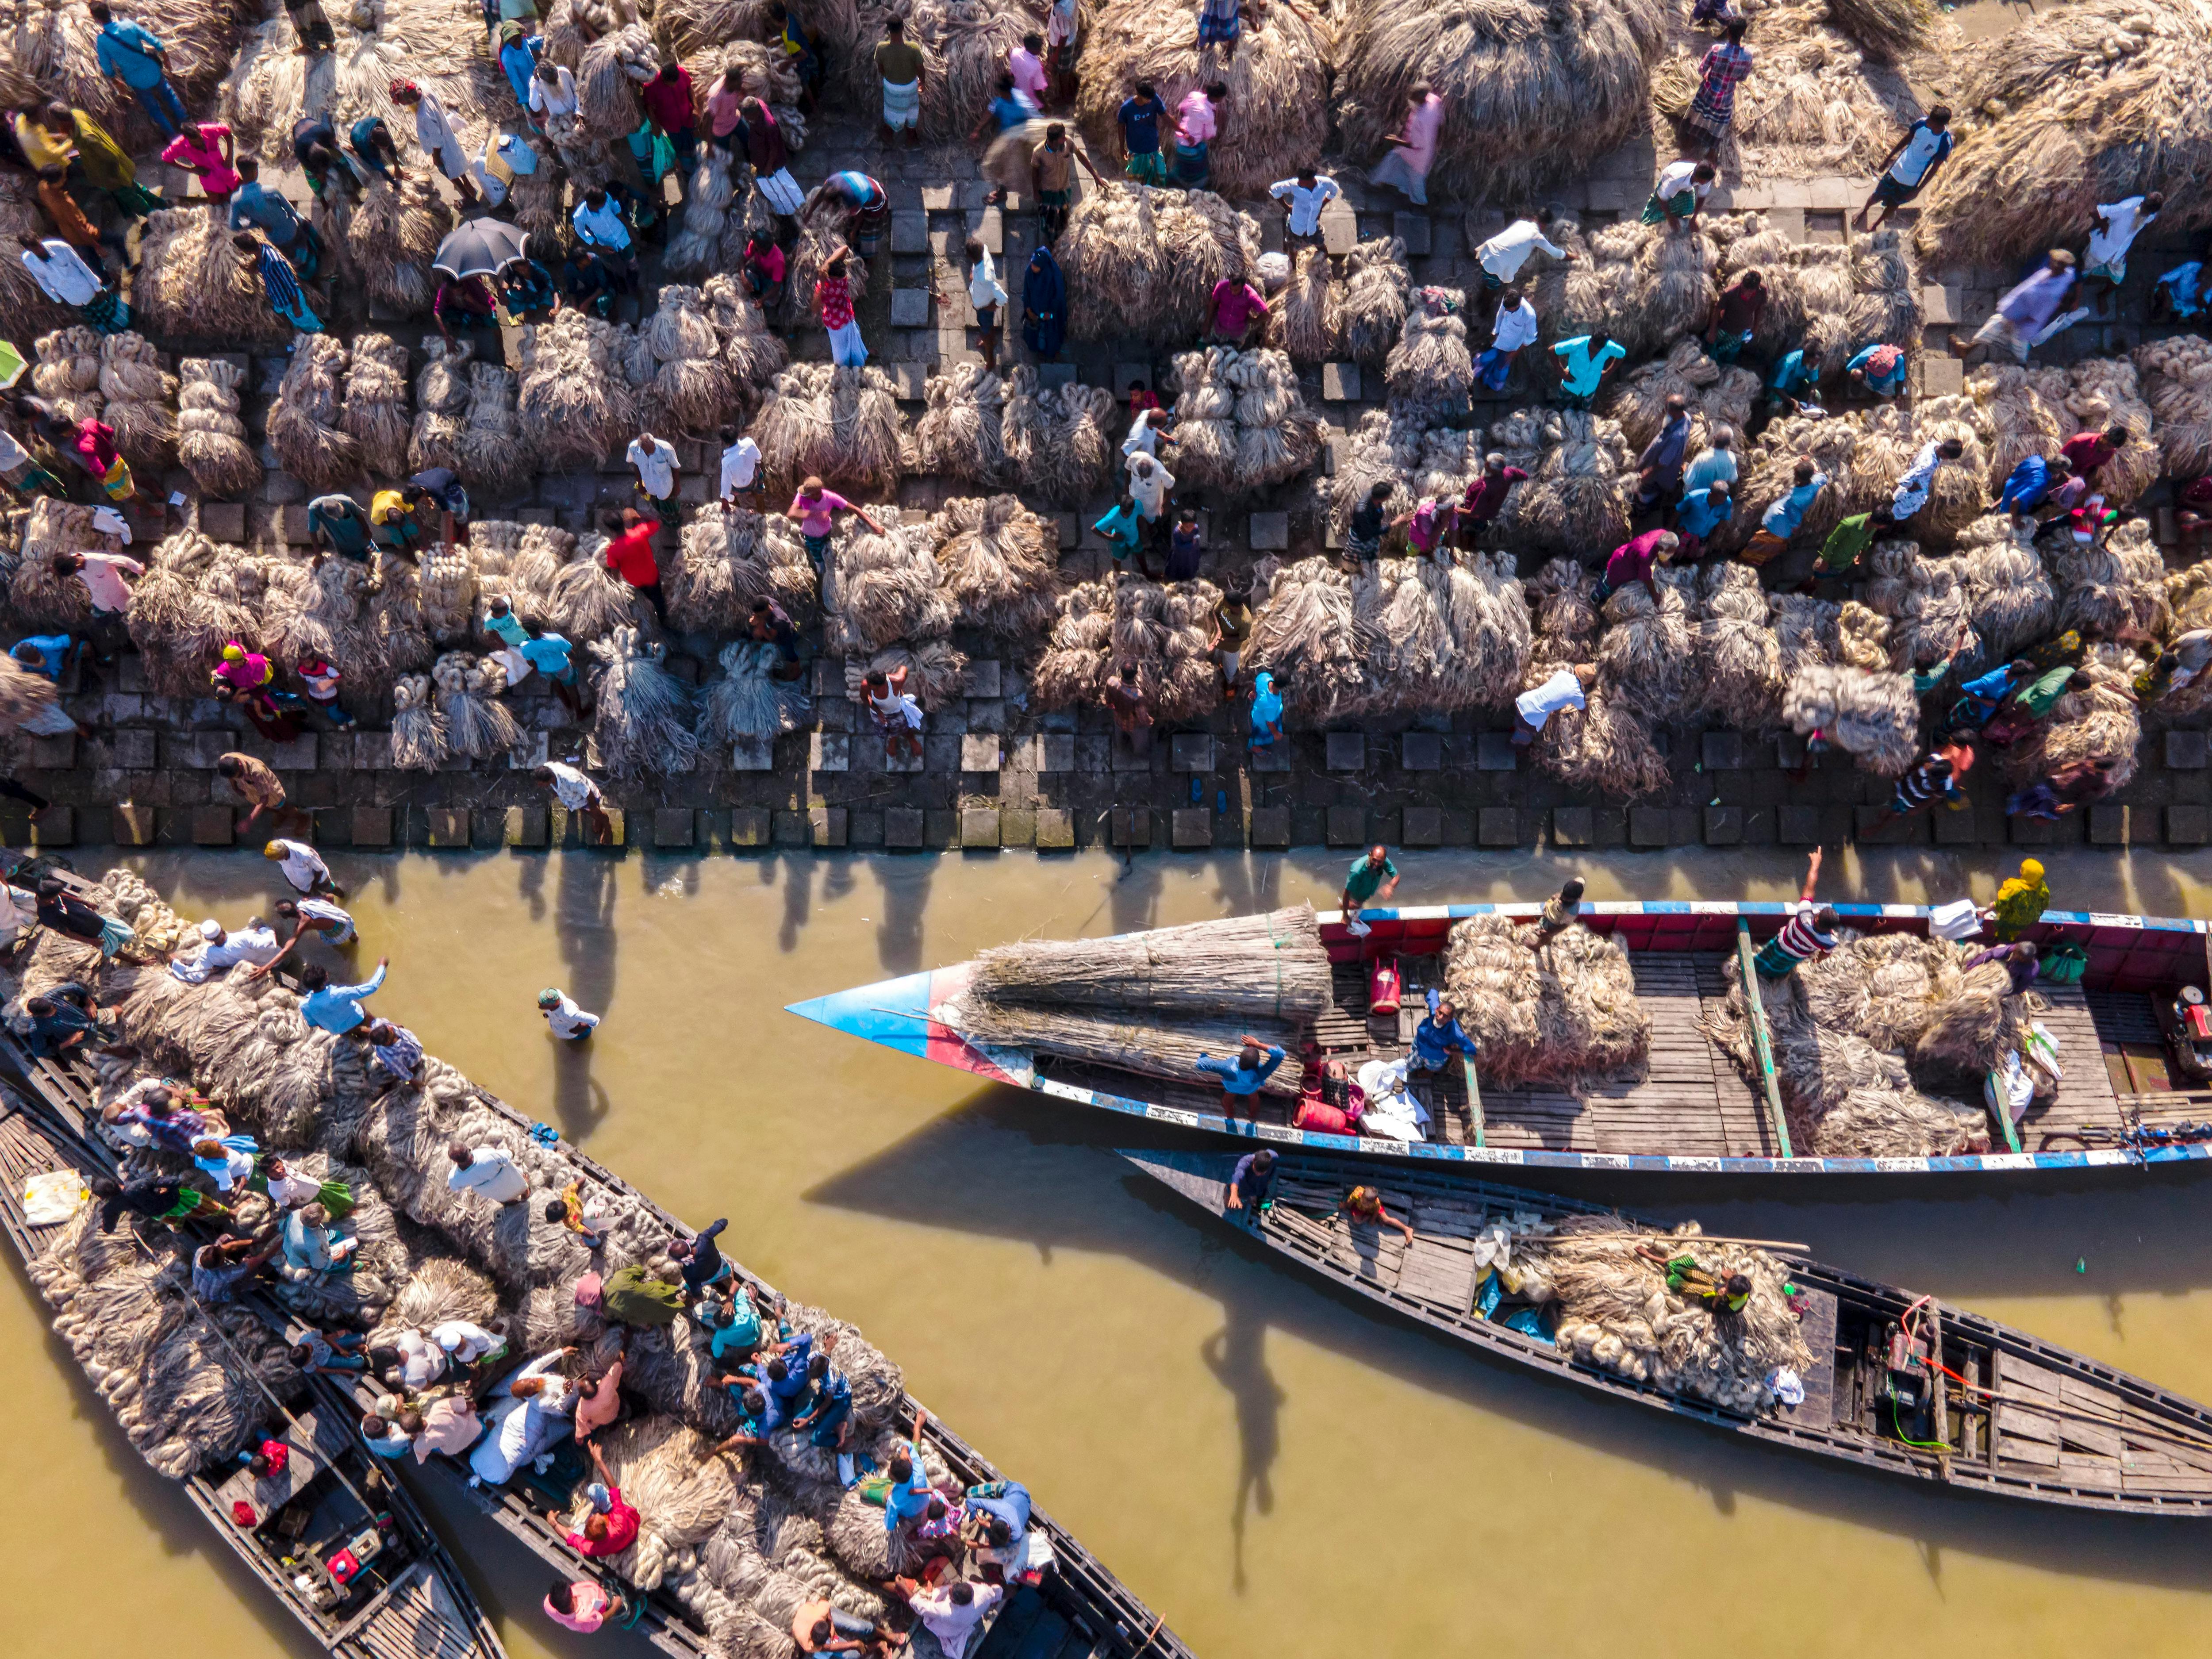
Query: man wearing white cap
point(567, 1019)
point(220, 952)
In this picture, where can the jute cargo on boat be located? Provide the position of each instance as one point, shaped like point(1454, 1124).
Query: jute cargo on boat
point(1616, 1047)
point(1815, 1359)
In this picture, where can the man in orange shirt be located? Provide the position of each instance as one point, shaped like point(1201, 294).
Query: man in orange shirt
point(629, 556)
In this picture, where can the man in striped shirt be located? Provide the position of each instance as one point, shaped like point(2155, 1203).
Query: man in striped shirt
point(1934, 778)
point(1808, 933)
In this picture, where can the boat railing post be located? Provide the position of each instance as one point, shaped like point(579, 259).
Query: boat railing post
point(1762, 1041)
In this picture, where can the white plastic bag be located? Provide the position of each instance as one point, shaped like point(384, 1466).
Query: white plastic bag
point(52, 1198)
point(1956, 921)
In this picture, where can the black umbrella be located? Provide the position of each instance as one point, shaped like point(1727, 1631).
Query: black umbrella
point(481, 247)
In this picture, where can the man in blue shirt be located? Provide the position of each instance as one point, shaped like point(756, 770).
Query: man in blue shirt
point(909, 1498)
point(1794, 386)
point(254, 204)
point(828, 1420)
point(337, 1008)
point(42, 654)
point(1880, 369)
point(1140, 118)
point(548, 654)
point(134, 57)
point(1979, 698)
point(2030, 484)
point(1435, 1038)
point(1247, 1181)
point(1699, 515)
point(1246, 1074)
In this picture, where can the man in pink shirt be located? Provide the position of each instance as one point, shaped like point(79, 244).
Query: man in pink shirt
point(1197, 124)
point(102, 574)
point(817, 509)
point(1025, 62)
point(583, 1606)
point(1236, 306)
point(1632, 561)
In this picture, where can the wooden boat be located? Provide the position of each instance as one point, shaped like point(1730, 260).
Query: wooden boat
point(2126, 1098)
point(2019, 1417)
point(1079, 1611)
point(407, 1599)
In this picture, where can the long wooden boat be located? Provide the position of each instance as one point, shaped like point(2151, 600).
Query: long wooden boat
point(2018, 1416)
point(2123, 1101)
point(1079, 1611)
point(407, 1599)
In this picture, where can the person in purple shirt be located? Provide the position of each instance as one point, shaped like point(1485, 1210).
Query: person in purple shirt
point(1631, 561)
point(1659, 468)
point(2026, 310)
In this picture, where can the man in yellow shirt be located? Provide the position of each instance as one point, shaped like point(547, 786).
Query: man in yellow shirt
point(392, 524)
point(2021, 903)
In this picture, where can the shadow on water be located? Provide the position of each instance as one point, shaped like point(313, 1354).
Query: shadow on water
point(1007, 1165)
point(797, 871)
point(903, 885)
point(583, 926)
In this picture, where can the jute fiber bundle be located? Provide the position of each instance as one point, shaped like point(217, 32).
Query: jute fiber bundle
point(372, 407)
point(1372, 313)
point(692, 389)
point(1074, 664)
point(2022, 420)
point(963, 46)
point(1580, 490)
point(696, 246)
point(2106, 99)
point(2009, 597)
point(1605, 748)
point(1925, 599)
point(643, 725)
point(2176, 377)
point(495, 463)
point(40, 598)
point(1768, 471)
point(173, 621)
point(746, 700)
point(2189, 605)
point(1429, 367)
point(937, 671)
point(1873, 716)
point(959, 434)
point(1639, 397)
point(1053, 442)
point(730, 556)
point(1566, 621)
point(1805, 630)
point(1566, 1015)
point(764, 72)
point(1278, 82)
point(1269, 966)
point(211, 442)
point(441, 404)
point(585, 600)
point(185, 1379)
point(1000, 563)
point(1670, 287)
point(1137, 1041)
point(1646, 652)
point(887, 588)
point(66, 373)
point(570, 409)
point(838, 424)
point(1203, 240)
point(1744, 242)
point(1112, 258)
point(303, 422)
point(1886, 290)
point(1526, 87)
point(396, 619)
point(2111, 587)
point(1381, 449)
point(1616, 1312)
point(2095, 395)
point(2101, 724)
point(53, 54)
point(477, 723)
point(332, 621)
point(385, 241)
point(609, 74)
point(442, 47)
point(1956, 496)
point(139, 392)
point(692, 26)
point(1738, 677)
point(25, 694)
point(1305, 320)
point(1862, 637)
point(538, 200)
point(752, 353)
point(1206, 419)
point(1886, 30)
point(418, 730)
point(446, 592)
point(1168, 631)
point(1306, 632)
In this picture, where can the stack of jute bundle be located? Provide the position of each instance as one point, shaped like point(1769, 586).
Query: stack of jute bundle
point(1566, 1014)
point(1000, 563)
point(1307, 631)
point(838, 424)
point(1155, 1001)
point(728, 558)
point(1446, 634)
point(1143, 261)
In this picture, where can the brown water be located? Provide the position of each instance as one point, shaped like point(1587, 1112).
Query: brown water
point(1276, 1469)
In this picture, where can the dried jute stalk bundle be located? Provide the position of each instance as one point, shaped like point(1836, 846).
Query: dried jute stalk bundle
point(1372, 312)
point(643, 725)
point(1873, 716)
point(140, 395)
point(441, 404)
point(729, 557)
point(496, 466)
point(211, 442)
point(1526, 88)
point(468, 688)
point(1000, 563)
point(303, 422)
point(747, 701)
point(838, 424)
point(1567, 1015)
point(1279, 76)
point(384, 241)
point(887, 588)
point(196, 285)
point(372, 407)
point(1306, 632)
point(958, 436)
point(572, 407)
point(418, 730)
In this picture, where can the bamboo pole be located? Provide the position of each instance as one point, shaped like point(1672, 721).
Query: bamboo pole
point(1762, 1041)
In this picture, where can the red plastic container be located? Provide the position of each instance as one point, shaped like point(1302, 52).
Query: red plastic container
point(1384, 986)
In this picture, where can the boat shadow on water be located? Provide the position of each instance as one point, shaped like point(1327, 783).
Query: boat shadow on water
point(1006, 1164)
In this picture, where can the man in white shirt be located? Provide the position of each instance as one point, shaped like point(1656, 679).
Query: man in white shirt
point(655, 462)
point(2112, 232)
point(488, 1172)
point(1534, 708)
point(741, 459)
point(1145, 434)
point(1502, 257)
point(422, 1362)
point(1907, 168)
point(552, 94)
point(302, 866)
point(1911, 493)
point(576, 792)
point(1681, 191)
point(599, 220)
point(565, 1016)
point(463, 1343)
point(1149, 483)
point(220, 950)
point(1515, 327)
point(62, 275)
point(987, 294)
point(1307, 194)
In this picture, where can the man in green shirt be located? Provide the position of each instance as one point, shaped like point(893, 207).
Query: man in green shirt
point(1372, 876)
point(1848, 542)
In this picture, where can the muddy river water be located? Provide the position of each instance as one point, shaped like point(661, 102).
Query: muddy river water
point(1277, 1470)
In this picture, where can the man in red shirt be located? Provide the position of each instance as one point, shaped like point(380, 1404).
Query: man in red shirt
point(668, 106)
point(609, 1531)
point(1631, 561)
point(1486, 497)
point(1236, 306)
point(629, 556)
point(2088, 451)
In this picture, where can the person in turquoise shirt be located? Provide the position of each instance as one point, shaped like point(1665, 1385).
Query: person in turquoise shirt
point(1795, 386)
point(1700, 513)
point(1246, 1074)
point(337, 1008)
point(132, 56)
point(1583, 362)
point(1880, 369)
point(1122, 528)
point(1266, 711)
point(1371, 876)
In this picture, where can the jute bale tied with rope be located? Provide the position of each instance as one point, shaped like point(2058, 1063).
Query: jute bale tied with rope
point(1567, 1015)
